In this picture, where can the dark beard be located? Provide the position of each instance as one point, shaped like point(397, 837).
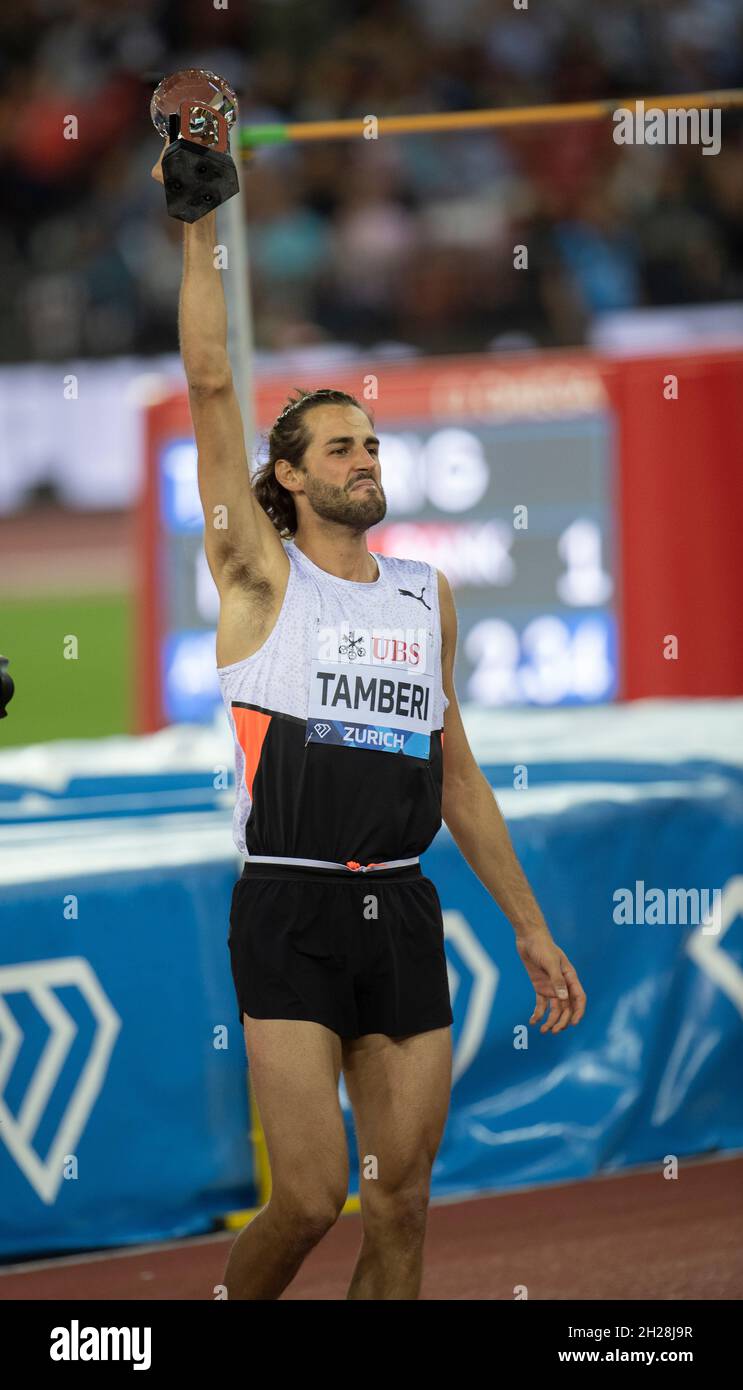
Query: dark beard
point(358, 510)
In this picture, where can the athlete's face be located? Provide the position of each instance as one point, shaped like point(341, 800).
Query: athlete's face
point(342, 478)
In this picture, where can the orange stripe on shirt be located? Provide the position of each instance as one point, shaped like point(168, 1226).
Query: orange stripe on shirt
point(251, 726)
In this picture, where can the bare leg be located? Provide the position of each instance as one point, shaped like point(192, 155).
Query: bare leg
point(399, 1089)
point(294, 1068)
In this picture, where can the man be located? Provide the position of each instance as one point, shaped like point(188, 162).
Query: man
point(336, 669)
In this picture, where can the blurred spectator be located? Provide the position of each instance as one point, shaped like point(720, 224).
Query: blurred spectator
point(598, 254)
point(407, 240)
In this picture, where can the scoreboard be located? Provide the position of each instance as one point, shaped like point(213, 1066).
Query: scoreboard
point(500, 474)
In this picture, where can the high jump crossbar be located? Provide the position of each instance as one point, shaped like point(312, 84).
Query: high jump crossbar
point(246, 138)
point(251, 136)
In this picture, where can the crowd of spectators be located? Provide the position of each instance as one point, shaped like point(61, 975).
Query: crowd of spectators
point(404, 240)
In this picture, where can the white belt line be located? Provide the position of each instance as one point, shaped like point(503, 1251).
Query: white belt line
point(329, 863)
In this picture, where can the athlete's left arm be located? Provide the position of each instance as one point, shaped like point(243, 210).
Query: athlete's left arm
point(473, 816)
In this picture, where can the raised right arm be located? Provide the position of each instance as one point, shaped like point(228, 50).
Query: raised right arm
point(244, 547)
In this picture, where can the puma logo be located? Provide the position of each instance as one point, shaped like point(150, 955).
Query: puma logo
point(408, 594)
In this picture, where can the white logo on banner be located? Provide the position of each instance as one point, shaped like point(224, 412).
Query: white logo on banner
point(705, 947)
point(485, 977)
point(39, 980)
point(692, 1046)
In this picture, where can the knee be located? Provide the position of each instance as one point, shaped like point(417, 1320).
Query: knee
point(309, 1215)
point(403, 1209)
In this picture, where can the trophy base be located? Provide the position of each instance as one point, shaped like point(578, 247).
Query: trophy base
point(197, 180)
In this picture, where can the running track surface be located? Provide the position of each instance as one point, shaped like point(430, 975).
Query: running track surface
point(631, 1236)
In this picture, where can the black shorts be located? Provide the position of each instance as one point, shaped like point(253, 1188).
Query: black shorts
point(361, 953)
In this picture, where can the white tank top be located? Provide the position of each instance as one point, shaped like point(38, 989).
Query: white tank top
point(338, 717)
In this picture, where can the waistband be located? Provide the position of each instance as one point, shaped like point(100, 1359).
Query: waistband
point(282, 864)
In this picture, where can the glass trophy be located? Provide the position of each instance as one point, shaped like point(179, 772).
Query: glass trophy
point(194, 111)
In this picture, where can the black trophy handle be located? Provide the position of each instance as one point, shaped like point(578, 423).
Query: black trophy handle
point(197, 178)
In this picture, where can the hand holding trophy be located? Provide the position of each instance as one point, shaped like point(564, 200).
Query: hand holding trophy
point(194, 111)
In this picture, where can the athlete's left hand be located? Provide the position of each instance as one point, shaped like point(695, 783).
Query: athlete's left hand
point(553, 978)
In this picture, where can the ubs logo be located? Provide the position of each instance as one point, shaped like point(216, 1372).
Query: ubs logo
point(396, 649)
point(351, 646)
point(400, 647)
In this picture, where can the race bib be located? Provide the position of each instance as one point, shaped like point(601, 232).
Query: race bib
point(371, 689)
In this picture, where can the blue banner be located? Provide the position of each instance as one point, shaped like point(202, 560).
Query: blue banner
point(123, 1101)
point(654, 1066)
point(124, 1114)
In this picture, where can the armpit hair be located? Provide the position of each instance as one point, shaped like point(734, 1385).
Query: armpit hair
point(242, 574)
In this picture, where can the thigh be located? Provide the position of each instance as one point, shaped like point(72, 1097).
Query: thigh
point(294, 1069)
point(399, 1089)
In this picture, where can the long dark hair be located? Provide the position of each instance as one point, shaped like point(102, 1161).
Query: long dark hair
point(288, 439)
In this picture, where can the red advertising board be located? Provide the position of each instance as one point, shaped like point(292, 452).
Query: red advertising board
point(629, 473)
